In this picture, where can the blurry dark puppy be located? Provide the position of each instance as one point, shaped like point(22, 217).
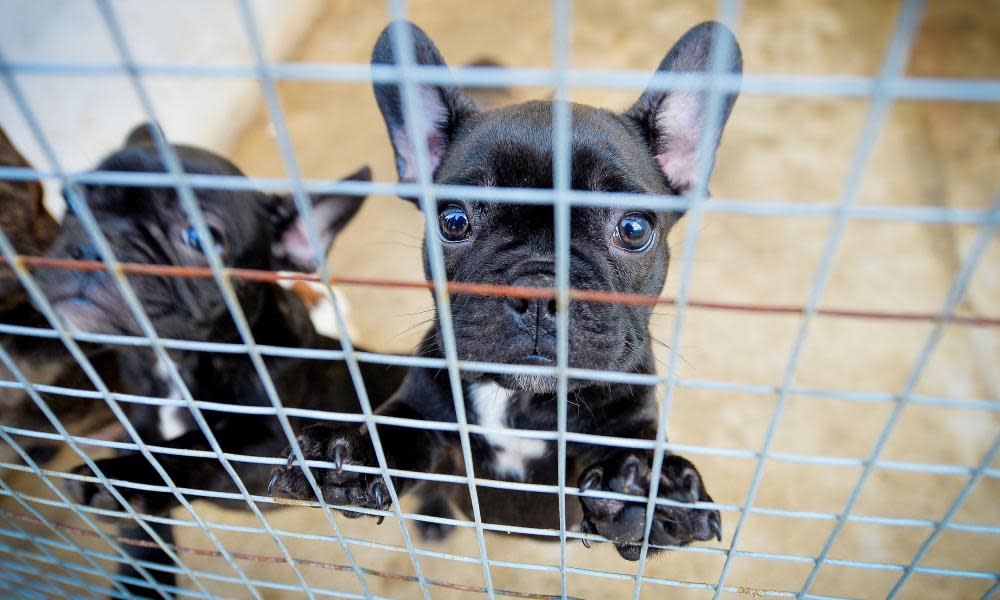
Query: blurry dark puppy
point(649, 149)
point(31, 230)
point(249, 229)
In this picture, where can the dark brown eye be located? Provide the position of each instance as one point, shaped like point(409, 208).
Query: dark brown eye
point(634, 232)
point(454, 223)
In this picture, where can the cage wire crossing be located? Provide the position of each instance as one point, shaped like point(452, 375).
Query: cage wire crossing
point(41, 569)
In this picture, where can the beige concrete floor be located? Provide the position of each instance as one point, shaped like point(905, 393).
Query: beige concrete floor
point(787, 149)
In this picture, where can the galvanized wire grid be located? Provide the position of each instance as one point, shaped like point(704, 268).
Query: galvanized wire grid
point(30, 574)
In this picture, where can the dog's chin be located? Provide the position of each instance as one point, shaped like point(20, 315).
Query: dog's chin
point(535, 384)
point(532, 384)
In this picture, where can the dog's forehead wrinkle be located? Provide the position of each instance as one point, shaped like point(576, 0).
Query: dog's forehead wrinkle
point(590, 172)
point(534, 223)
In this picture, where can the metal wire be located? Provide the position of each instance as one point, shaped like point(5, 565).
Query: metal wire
point(402, 46)
point(820, 86)
point(785, 513)
point(527, 566)
point(893, 65)
point(977, 475)
point(303, 205)
point(955, 294)
point(77, 581)
point(561, 181)
point(29, 574)
point(721, 54)
point(41, 302)
point(761, 207)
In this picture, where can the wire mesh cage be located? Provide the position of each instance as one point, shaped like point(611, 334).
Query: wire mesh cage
point(850, 434)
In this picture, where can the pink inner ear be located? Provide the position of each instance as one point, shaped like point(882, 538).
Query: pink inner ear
point(432, 115)
point(679, 123)
point(296, 245)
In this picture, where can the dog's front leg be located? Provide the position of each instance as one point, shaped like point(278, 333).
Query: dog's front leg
point(629, 471)
point(406, 448)
point(234, 434)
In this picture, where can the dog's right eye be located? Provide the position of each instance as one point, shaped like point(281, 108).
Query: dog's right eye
point(634, 232)
point(191, 239)
point(454, 222)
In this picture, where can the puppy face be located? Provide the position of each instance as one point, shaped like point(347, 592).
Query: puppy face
point(512, 244)
point(148, 225)
point(650, 149)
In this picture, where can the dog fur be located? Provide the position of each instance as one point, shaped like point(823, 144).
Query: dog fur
point(251, 230)
point(649, 149)
point(31, 230)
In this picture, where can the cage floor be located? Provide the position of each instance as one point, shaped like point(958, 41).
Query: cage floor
point(795, 149)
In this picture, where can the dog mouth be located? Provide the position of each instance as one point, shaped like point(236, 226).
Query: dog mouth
point(540, 360)
point(531, 383)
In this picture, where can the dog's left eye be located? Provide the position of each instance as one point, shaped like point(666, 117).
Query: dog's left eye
point(634, 232)
point(191, 239)
point(454, 223)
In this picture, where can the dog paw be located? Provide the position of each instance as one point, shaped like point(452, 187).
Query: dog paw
point(435, 504)
point(127, 467)
point(623, 522)
point(340, 446)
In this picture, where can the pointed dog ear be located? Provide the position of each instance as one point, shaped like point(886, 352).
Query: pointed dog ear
point(142, 134)
point(442, 108)
point(330, 212)
point(674, 121)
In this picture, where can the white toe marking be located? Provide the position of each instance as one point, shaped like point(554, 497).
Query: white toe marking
point(171, 423)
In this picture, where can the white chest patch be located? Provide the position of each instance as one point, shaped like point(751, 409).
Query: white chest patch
point(511, 453)
point(170, 422)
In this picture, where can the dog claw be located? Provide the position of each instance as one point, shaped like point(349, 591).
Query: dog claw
point(586, 528)
point(271, 482)
point(716, 528)
point(593, 479)
point(291, 460)
point(338, 459)
point(631, 472)
point(379, 519)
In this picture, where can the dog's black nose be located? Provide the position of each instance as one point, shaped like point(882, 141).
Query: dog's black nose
point(534, 307)
point(533, 315)
point(84, 251)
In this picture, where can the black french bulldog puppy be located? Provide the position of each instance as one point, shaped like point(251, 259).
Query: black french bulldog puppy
point(650, 148)
point(249, 229)
point(31, 230)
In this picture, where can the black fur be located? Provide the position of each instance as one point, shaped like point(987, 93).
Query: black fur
point(31, 230)
point(254, 230)
point(646, 150)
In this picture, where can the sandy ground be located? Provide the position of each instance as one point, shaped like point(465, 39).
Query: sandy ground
point(787, 149)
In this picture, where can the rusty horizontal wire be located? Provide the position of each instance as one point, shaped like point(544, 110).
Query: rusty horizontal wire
point(486, 289)
point(265, 558)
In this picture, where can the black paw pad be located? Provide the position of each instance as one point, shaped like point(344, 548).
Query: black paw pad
point(339, 486)
point(623, 522)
